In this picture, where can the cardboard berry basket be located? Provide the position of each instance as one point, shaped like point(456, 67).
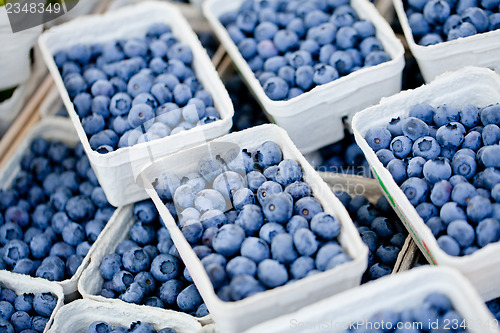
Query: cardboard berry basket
point(314, 119)
point(117, 170)
point(237, 316)
point(90, 284)
point(368, 187)
point(60, 130)
point(399, 292)
point(471, 85)
point(26, 284)
point(481, 50)
point(77, 316)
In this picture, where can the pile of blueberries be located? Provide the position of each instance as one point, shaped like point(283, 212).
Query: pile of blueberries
point(252, 220)
point(345, 157)
point(435, 314)
point(147, 269)
point(133, 91)
point(53, 213)
point(437, 21)
point(494, 307)
point(293, 46)
point(380, 229)
point(137, 327)
point(26, 312)
point(447, 163)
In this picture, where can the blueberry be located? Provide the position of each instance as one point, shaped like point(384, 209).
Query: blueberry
point(479, 208)
point(99, 326)
point(7, 310)
point(250, 218)
point(415, 190)
point(304, 77)
point(449, 245)
point(213, 219)
point(44, 304)
point(325, 254)
point(228, 239)
point(378, 138)
point(323, 34)
point(282, 248)
point(139, 83)
point(307, 207)
point(270, 230)
point(20, 320)
point(209, 199)
point(436, 11)
point(397, 168)
point(110, 264)
point(135, 260)
point(437, 169)
point(244, 286)
point(189, 299)
point(278, 207)
point(271, 273)
point(14, 251)
point(134, 294)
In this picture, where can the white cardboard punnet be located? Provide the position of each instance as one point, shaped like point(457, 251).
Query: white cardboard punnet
point(117, 171)
point(26, 284)
point(51, 129)
point(236, 316)
point(396, 293)
point(481, 50)
point(90, 283)
point(471, 85)
point(78, 315)
point(315, 119)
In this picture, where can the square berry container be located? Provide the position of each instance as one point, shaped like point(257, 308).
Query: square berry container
point(315, 118)
point(240, 315)
point(482, 50)
point(51, 129)
point(90, 283)
point(368, 187)
point(396, 293)
point(471, 85)
point(77, 316)
point(26, 284)
point(117, 171)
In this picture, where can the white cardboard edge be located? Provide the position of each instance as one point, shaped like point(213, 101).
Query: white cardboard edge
point(51, 104)
point(90, 283)
point(372, 191)
point(78, 315)
point(471, 85)
point(236, 316)
point(27, 284)
point(55, 129)
point(119, 167)
point(319, 112)
point(482, 49)
point(397, 292)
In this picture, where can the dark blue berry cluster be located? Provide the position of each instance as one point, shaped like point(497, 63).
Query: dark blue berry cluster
point(27, 312)
point(147, 269)
point(435, 314)
point(293, 46)
point(380, 230)
point(53, 213)
point(133, 91)
point(447, 163)
point(252, 221)
point(436, 21)
point(138, 327)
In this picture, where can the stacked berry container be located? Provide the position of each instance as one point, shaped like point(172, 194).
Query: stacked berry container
point(314, 119)
point(476, 45)
point(117, 170)
point(91, 316)
point(470, 86)
point(91, 284)
point(413, 301)
point(57, 130)
point(49, 299)
point(245, 308)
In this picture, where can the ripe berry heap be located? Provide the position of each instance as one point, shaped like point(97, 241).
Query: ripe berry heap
point(147, 269)
point(26, 312)
point(434, 314)
point(294, 46)
point(53, 213)
point(133, 91)
point(138, 327)
point(436, 21)
point(447, 163)
point(380, 230)
point(252, 221)
point(494, 307)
